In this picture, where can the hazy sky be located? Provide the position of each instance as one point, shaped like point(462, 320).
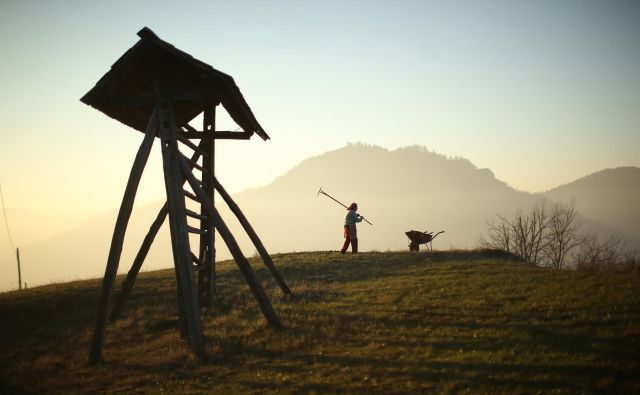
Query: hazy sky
point(540, 92)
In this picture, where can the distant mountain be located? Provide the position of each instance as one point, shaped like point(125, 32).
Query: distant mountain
point(398, 190)
point(26, 228)
point(81, 252)
point(610, 197)
point(413, 188)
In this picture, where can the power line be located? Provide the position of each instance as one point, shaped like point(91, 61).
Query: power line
point(6, 222)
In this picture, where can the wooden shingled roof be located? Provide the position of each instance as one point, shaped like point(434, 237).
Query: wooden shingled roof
point(126, 91)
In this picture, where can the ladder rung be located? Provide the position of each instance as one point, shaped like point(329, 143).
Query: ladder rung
point(189, 144)
point(193, 214)
point(191, 196)
point(191, 229)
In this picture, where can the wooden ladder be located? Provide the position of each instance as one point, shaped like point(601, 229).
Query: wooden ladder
point(214, 220)
point(205, 259)
point(188, 306)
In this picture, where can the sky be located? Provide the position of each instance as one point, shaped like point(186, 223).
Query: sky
point(540, 92)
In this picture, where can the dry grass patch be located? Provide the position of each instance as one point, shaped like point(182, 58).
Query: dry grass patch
point(453, 321)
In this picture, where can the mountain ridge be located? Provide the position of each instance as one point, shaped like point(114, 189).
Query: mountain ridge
point(397, 190)
point(595, 198)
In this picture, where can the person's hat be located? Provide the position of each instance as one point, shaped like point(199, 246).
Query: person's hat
point(354, 206)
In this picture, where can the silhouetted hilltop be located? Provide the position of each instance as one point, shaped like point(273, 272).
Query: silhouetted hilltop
point(384, 173)
point(398, 190)
point(414, 188)
point(610, 196)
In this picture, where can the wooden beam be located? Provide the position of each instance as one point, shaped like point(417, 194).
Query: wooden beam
point(172, 161)
point(194, 164)
point(182, 314)
point(232, 244)
point(222, 135)
point(132, 275)
point(191, 196)
point(266, 258)
point(195, 215)
point(191, 145)
point(189, 128)
point(217, 135)
point(192, 133)
point(195, 259)
point(127, 285)
point(115, 251)
point(207, 250)
point(198, 231)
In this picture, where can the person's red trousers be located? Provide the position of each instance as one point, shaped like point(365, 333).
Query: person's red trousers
point(348, 240)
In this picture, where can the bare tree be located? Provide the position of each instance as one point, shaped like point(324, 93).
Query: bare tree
point(498, 235)
point(525, 235)
point(563, 233)
point(550, 235)
point(530, 233)
point(520, 232)
point(539, 239)
point(594, 254)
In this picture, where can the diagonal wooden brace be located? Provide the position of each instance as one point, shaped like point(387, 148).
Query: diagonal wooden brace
point(115, 251)
point(230, 241)
point(266, 258)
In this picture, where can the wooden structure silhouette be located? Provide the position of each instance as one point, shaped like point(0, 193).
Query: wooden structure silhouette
point(157, 89)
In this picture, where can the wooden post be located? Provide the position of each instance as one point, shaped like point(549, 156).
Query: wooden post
point(115, 251)
point(128, 283)
point(178, 226)
point(207, 253)
point(266, 258)
point(230, 241)
point(19, 272)
point(182, 311)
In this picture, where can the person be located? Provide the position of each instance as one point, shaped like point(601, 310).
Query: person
point(350, 231)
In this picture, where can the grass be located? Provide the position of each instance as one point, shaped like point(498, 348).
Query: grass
point(394, 322)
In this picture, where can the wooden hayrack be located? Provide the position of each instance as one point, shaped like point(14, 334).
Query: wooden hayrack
point(157, 89)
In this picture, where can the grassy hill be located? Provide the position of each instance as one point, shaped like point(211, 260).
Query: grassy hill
point(390, 322)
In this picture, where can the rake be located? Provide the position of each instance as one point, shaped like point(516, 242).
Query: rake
point(339, 202)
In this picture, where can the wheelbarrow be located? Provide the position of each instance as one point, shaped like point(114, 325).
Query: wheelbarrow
point(416, 237)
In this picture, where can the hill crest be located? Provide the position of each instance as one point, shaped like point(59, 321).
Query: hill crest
point(397, 190)
point(610, 196)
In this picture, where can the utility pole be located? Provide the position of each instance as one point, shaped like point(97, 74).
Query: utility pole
point(19, 273)
point(6, 223)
